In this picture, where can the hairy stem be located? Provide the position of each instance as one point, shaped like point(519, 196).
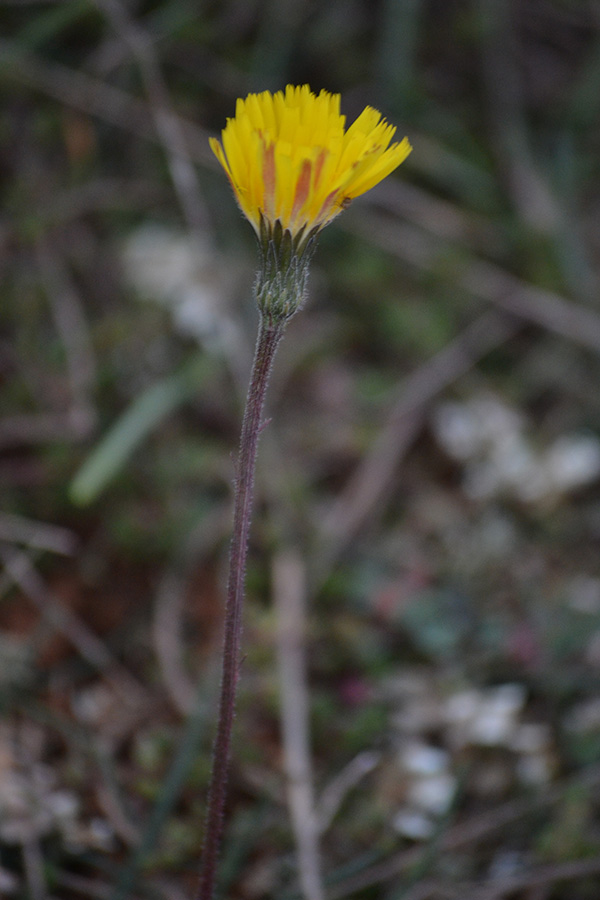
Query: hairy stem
point(269, 335)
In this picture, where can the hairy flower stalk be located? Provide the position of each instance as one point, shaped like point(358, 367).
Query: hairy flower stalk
point(293, 167)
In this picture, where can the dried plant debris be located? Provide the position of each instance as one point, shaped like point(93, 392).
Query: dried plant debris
point(494, 446)
point(435, 417)
point(186, 276)
point(438, 732)
point(34, 805)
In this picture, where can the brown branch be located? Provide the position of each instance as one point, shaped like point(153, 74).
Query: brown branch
point(19, 568)
point(485, 280)
point(367, 488)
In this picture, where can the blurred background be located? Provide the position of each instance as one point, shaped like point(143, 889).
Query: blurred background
point(419, 715)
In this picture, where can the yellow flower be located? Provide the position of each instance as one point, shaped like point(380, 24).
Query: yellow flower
point(290, 159)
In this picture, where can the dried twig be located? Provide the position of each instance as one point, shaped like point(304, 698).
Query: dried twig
point(289, 591)
point(110, 804)
point(167, 635)
point(486, 280)
point(40, 428)
point(375, 473)
point(77, 90)
point(87, 888)
point(539, 877)
point(102, 193)
point(338, 788)
point(436, 215)
point(168, 889)
point(33, 864)
point(21, 571)
point(431, 890)
point(38, 535)
point(528, 190)
point(93, 96)
point(465, 835)
point(72, 327)
point(167, 622)
point(168, 126)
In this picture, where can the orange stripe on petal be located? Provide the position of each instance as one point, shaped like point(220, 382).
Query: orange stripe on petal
point(322, 156)
point(325, 213)
point(302, 188)
point(269, 180)
point(290, 158)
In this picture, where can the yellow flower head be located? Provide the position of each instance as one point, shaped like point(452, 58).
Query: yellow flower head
point(290, 159)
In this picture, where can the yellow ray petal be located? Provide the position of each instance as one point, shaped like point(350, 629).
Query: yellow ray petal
point(290, 158)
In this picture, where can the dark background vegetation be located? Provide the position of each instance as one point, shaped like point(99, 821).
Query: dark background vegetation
point(428, 487)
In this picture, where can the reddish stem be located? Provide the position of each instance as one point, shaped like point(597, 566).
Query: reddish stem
point(269, 335)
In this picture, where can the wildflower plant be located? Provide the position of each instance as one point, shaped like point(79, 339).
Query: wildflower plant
point(293, 166)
